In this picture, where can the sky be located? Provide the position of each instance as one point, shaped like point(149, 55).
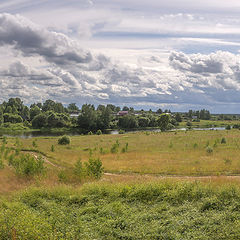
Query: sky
point(150, 54)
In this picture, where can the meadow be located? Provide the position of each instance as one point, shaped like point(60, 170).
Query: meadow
point(192, 153)
point(157, 185)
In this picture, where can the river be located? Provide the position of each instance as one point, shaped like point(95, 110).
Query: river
point(32, 134)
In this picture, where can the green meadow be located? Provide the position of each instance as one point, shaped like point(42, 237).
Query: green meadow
point(156, 185)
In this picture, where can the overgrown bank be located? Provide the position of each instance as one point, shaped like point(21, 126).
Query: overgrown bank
point(162, 210)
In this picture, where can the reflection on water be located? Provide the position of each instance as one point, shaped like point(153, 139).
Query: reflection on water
point(55, 134)
point(37, 134)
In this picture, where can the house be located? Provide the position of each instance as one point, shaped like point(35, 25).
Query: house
point(122, 113)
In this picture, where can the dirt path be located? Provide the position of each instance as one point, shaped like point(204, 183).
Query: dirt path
point(133, 175)
point(157, 176)
point(43, 157)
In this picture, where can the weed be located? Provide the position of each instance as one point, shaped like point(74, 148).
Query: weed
point(227, 161)
point(209, 150)
point(195, 145)
point(115, 146)
point(1, 163)
point(62, 176)
point(34, 144)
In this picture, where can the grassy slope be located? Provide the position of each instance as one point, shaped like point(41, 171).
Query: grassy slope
point(159, 209)
point(152, 211)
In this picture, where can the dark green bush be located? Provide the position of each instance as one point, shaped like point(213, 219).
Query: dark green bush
point(121, 131)
point(99, 132)
point(64, 140)
point(223, 141)
point(228, 127)
point(52, 148)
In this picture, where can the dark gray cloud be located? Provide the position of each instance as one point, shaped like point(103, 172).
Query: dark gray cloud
point(30, 40)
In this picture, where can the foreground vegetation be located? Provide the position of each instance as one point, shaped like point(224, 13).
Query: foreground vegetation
point(162, 210)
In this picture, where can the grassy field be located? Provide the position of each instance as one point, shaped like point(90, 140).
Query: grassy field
point(209, 123)
point(171, 185)
point(169, 153)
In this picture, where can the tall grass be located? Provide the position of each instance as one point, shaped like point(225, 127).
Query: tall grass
point(163, 210)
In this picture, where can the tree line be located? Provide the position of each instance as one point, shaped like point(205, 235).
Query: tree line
point(51, 114)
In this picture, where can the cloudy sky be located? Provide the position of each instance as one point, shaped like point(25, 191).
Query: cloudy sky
point(177, 54)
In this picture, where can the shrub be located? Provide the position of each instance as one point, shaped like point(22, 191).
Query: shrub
point(123, 150)
point(114, 148)
point(209, 149)
point(17, 143)
point(4, 140)
point(126, 146)
point(34, 144)
point(121, 131)
point(26, 165)
point(94, 168)
point(64, 140)
point(78, 169)
point(228, 127)
point(6, 153)
point(2, 149)
point(227, 161)
point(99, 132)
point(1, 163)
point(62, 176)
point(52, 148)
point(223, 141)
point(102, 151)
point(90, 133)
point(195, 145)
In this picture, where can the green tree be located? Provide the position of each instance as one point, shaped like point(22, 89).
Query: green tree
point(12, 118)
point(88, 118)
point(1, 117)
point(163, 122)
point(125, 108)
point(103, 117)
point(50, 105)
point(178, 117)
point(8, 109)
point(128, 121)
point(72, 108)
point(25, 113)
point(143, 122)
point(39, 121)
point(34, 111)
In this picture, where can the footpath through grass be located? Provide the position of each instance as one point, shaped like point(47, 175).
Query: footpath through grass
point(162, 210)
